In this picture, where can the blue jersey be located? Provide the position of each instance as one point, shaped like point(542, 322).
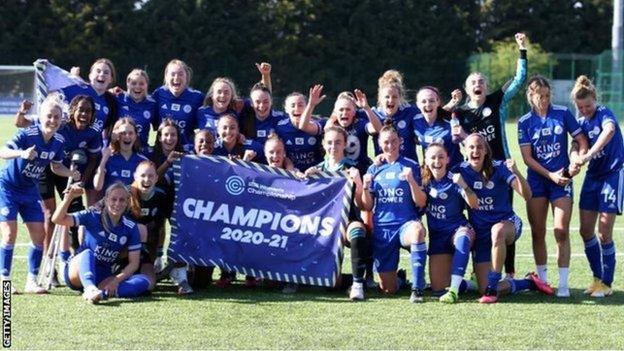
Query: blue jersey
point(303, 149)
point(403, 122)
point(23, 175)
point(393, 195)
point(357, 140)
point(101, 105)
point(445, 205)
point(144, 114)
point(239, 150)
point(182, 110)
point(548, 137)
point(611, 157)
point(89, 140)
point(439, 132)
point(120, 169)
point(493, 194)
point(107, 245)
point(207, 118)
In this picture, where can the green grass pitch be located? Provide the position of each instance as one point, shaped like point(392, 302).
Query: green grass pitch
point(312, 318)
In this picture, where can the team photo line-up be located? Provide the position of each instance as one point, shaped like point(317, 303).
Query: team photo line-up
point(114, 247)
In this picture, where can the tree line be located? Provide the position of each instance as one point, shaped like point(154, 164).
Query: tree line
point(342, 44)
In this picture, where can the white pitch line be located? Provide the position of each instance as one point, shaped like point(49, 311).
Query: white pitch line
point(527, 228)
point(575, 255)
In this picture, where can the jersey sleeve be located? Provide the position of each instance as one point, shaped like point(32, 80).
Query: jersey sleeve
point(84, 218)
point(416, 172)
point(524, 137)
point(60, 155)
point(321, 125)
point(134, 239)
point(571, 124)
point(19, 141)
point(505, 173)
point(607, 118)
point(94, 145)
point(518, 81)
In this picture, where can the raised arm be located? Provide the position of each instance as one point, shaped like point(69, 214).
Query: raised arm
point(20, 116)
point(362, 102)
point(315, 98)
point(456, 97)
point(100, 173)
point(265, 71)
point(511, 88)
point(60, 215)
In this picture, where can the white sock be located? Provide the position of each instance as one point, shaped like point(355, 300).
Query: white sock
point(542, 272)
point(456, 281)
point(358, 284)
point(563, 277)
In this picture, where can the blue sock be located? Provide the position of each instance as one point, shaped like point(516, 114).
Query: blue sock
point(418, 257)
point(134, 286)
point(493, 279)
point(86, 266)
point(6, 258)
point(608, 261)
point(35, 254)
point(64, 256)
point(518, 285)
point(592, 251)
point(461, 255)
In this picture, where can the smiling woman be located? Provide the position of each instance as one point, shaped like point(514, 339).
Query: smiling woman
point(121, 157)
point(107, 233)
point(30, 151)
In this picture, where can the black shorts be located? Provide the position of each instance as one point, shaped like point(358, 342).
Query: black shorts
point(49, 182)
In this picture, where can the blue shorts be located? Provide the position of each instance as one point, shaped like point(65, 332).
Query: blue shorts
point(482, 247)
point(28, 205)
point(387, 242)
point(542, 187)
point(603, 195)
point(442, 243)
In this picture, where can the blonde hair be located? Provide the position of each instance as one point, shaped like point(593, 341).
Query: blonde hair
point(583, 88)
point(137, 72)
point(348, 96)
point(225, 80)
point(391, 79)
point(185, 67)
point(106, 220)
point(53, 100)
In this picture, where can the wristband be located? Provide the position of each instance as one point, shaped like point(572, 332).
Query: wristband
point(523, 54)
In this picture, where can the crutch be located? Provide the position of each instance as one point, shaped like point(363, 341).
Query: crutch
point(46, 272)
